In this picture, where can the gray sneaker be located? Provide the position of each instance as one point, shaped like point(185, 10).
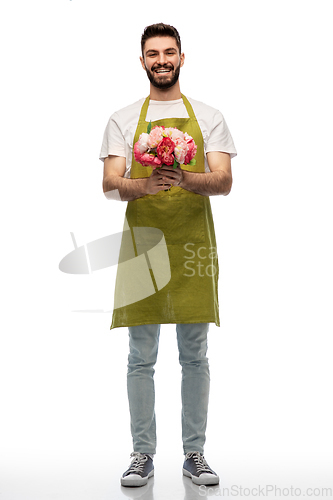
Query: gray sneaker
point(140, 470)
point(196, 467)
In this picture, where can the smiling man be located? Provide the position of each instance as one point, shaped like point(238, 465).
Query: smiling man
point(175, 201)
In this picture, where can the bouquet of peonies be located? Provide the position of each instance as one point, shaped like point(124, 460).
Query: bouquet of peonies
point(165, 146)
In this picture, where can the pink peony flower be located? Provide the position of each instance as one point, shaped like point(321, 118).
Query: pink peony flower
point(177, 134)
point(164, 151)
point(192, 149)
point(167, 132)
point(180, 150)
point(155, 137)
point(143, 142)
point(148, 160)
point(173, 133)
point(145, 159)
point(137, 152)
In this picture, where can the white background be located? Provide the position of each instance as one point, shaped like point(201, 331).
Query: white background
point(67, 66)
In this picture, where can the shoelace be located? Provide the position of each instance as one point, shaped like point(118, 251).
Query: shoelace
point(200, 462)
point(138, 462)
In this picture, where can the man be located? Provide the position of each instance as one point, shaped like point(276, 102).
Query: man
point(176, 202)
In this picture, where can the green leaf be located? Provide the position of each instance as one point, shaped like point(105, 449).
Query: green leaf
point(149, 127)
point(193, 162)
point(175, 164)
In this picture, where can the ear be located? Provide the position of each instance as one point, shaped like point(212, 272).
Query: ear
point(142, 63)
point(182, 59)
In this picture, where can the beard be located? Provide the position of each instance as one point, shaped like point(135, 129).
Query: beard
point(163, 82)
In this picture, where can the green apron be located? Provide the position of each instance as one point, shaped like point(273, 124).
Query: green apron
point(185, 219)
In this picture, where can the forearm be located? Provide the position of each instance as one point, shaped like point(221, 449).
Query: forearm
point(207, 183)
point(128, 189)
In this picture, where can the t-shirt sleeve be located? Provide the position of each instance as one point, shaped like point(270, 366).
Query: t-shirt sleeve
point(113, 140)
point(219, 138)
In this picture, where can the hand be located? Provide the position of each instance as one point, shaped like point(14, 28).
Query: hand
point(163, 178)
point(172, 175)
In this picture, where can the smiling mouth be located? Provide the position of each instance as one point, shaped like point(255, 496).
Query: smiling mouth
point(160, 71)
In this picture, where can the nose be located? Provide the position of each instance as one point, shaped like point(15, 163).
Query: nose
point(161, 58)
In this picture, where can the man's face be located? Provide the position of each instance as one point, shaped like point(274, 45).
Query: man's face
point(162, 61)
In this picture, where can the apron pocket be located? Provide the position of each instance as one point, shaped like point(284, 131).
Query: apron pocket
point(180, 217)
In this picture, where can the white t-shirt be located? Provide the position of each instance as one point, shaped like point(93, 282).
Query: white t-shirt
point(120, 130)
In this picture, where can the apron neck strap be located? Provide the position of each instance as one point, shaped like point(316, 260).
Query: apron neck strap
point(188, 107)
point(145, 105)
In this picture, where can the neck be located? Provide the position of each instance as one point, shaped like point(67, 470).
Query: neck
point(170, 94)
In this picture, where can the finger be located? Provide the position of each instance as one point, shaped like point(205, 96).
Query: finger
point(155, 172)
point(170, 174)
point(166, 169)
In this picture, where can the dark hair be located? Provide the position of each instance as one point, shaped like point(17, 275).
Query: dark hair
point(160, 29)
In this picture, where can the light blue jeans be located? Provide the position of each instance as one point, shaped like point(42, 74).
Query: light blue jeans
point(192, 345)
